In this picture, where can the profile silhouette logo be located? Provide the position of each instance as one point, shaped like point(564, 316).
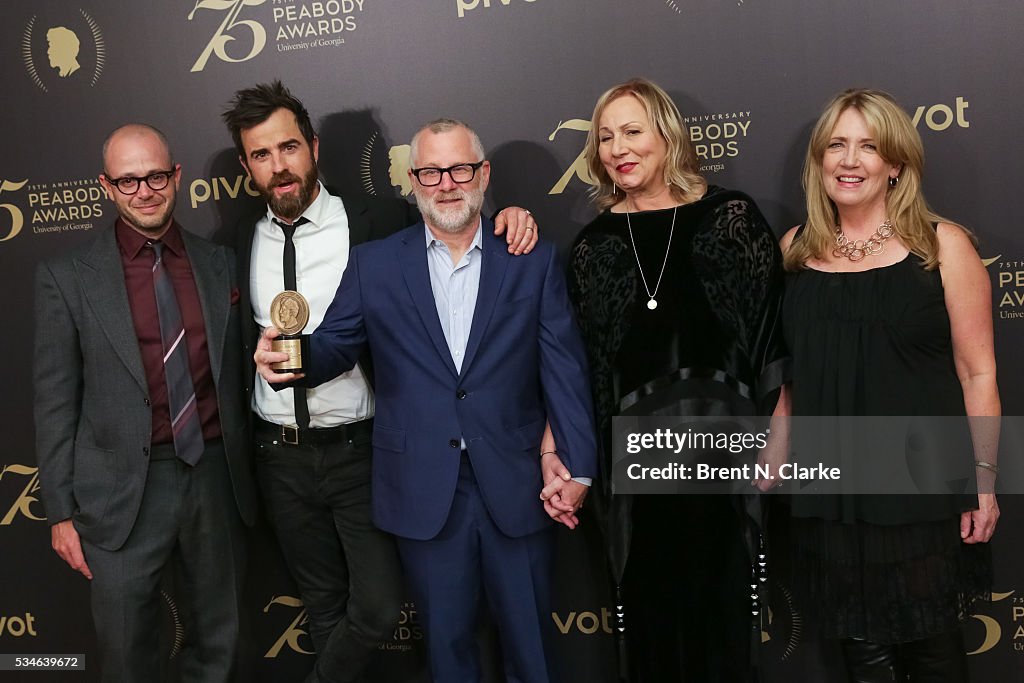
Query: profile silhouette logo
point(63, 48)
point(371, 165)
point(71, 54)
point(398, 168)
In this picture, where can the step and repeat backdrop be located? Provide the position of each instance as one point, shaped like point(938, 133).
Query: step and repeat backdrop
point(749, 75)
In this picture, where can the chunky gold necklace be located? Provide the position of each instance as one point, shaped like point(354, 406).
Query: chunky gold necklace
point(858, 249)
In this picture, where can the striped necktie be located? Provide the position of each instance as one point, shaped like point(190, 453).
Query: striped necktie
point(181, 394)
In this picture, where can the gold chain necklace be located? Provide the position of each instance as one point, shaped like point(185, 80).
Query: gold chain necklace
point(652, 303)
point(858, 249)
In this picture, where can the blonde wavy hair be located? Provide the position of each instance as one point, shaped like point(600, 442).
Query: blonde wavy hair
point(899, 144)
point(682, 168)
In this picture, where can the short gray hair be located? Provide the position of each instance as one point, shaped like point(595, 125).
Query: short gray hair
point(445, 125)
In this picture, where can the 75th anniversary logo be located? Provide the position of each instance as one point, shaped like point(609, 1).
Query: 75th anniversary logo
point(294, 25)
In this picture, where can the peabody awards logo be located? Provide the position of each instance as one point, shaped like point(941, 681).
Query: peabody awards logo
point(247, 25)
point(717, 138)
point(63, 48)
point(296, 638)
point(1009, 287)
point(52, 207)
point(26, 504)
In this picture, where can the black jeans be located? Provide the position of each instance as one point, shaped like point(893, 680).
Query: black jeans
point(347, 570)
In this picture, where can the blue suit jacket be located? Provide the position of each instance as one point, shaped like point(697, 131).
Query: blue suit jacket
point(525, 363)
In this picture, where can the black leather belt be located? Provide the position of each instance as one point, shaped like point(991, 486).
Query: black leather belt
point(313, 436)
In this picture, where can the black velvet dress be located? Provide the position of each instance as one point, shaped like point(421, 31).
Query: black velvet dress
point(712, 347)
point(885, 568)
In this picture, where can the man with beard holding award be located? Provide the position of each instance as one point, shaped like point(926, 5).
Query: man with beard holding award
point(313, 445)
point(140, 422)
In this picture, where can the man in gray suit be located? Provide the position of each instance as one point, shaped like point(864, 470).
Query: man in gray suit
point(140, 420)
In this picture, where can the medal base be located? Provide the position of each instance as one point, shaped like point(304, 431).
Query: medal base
point(292, 345)
point(652, 304)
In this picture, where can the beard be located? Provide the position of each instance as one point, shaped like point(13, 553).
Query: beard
point(150, 225)
point(451, 219)
point(289, 206)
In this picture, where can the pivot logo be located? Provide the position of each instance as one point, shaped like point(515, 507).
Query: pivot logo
point(587, 623)
point(18, 626)
point(201, 190)
point(464, 6)
point(939, 117)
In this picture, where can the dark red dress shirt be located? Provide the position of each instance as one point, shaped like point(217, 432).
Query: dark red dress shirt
point(138, 278)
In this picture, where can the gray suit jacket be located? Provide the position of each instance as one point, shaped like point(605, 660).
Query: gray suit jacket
point(92, 410)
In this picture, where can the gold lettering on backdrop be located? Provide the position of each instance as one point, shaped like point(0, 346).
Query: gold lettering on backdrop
point(464, 6)
point(939, 117)
point(218, 44)
point(587, 623)
point(291, 635)
point(23, 503)
point(993, 629)
point(201, 190)
point(18, 626)
point(17, 219)
point(578, 168)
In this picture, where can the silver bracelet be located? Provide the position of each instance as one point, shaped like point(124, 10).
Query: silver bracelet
point(987, 466)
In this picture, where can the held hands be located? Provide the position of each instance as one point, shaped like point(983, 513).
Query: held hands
point(520, 229)
point(65, 541)
point(562, 497)
point(977, 526)
point(264, 357)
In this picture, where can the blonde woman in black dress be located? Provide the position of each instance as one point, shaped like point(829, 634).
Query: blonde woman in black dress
point(888, 312)
point(678, 287)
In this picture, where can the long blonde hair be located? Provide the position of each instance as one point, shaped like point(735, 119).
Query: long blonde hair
point(898, 144)
point(682, 168)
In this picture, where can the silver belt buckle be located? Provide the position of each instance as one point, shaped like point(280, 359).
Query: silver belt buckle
point(290, 435)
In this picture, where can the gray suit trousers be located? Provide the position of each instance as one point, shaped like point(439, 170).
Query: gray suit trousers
point(188, 520)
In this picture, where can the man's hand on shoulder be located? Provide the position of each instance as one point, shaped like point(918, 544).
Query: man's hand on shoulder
point(519, 227)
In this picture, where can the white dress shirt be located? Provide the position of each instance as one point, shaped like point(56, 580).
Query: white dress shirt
point(321, 255)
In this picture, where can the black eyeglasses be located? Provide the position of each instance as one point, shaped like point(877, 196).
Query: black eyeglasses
point(460, 173)
point(130, 184)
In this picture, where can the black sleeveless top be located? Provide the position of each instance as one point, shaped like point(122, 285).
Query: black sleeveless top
point(872, 343)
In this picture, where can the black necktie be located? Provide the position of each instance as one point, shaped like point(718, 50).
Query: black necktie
point(181, 394)
point(301, 406)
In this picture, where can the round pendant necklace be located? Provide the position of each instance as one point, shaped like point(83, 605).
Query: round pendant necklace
point(652, 303)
